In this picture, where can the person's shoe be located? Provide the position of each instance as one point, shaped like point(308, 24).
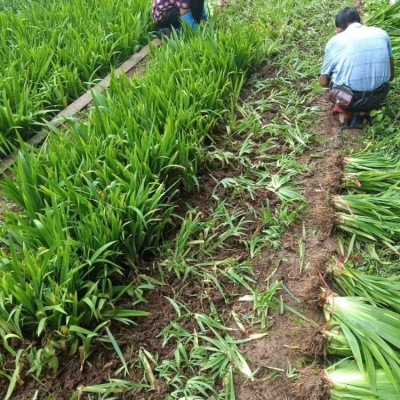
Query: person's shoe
point(344, 120)
point(164, 32)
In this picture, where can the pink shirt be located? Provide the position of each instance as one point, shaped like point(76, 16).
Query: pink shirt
point(160, 7)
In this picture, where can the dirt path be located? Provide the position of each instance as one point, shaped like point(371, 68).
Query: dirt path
point(288, 346)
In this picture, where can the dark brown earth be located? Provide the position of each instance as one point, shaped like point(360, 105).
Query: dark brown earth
point(286, 345)
point(309, 386)
point(280, 348)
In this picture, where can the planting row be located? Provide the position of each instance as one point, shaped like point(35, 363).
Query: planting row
point(51, 52)
point(99, 194)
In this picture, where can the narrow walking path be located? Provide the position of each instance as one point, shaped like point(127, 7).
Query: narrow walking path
point(290, 340)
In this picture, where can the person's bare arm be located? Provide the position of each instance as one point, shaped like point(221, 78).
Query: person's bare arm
point(324, 81)
point(391, 68)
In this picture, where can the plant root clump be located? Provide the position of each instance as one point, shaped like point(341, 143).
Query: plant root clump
point(310, 293)
point(309, 386)
point(322, 217)
point(311, 341)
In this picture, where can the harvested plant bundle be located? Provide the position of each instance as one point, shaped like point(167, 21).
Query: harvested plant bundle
point(376, 289)
point(376, 181)
point(373, 335)
point(346, 381)
point(371, 173)
point(370, 162)
point(370, 217)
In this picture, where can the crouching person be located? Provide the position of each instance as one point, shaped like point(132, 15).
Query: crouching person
point(358, 64)
point(170, 14)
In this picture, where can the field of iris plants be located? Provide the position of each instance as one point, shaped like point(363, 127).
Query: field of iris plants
point(52, 52)
point(134, 261)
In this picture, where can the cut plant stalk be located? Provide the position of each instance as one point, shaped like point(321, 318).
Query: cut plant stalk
point(376, 289)
point(346, 381)
point(373, 334)
point(336, 342)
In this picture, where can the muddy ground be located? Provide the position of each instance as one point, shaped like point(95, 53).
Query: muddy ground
point(285, 342)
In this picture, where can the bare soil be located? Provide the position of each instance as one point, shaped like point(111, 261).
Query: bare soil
point(287, 345)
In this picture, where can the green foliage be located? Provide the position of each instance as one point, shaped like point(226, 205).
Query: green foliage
point(99, 194)
point(52, 51)
point(13, 5)
point(387, 17)
point(378, 290)
point(346, 382)
point(368, 172)
point(371, 217)
point(365, 324)
point(372, 333)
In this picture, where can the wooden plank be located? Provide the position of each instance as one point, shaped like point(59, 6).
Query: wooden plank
point(79, 104)
point(82, 102)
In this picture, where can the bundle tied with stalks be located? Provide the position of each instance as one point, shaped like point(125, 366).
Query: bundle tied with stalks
point(344, 380)
point(372, 218)
point(370, 162)
point(376, 289)
point(372, 333)
point(369, 334)
point(371, 173)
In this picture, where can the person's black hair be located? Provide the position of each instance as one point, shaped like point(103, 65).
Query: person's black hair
point(346, 17)
point(196, 7)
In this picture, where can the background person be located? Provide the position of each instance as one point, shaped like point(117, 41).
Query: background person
point(358, 58)
point(170, 14)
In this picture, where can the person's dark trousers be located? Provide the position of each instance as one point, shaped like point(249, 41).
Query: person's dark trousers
point(197, 8)
point(363, 101)
point(172, 19)
point(369, 100)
